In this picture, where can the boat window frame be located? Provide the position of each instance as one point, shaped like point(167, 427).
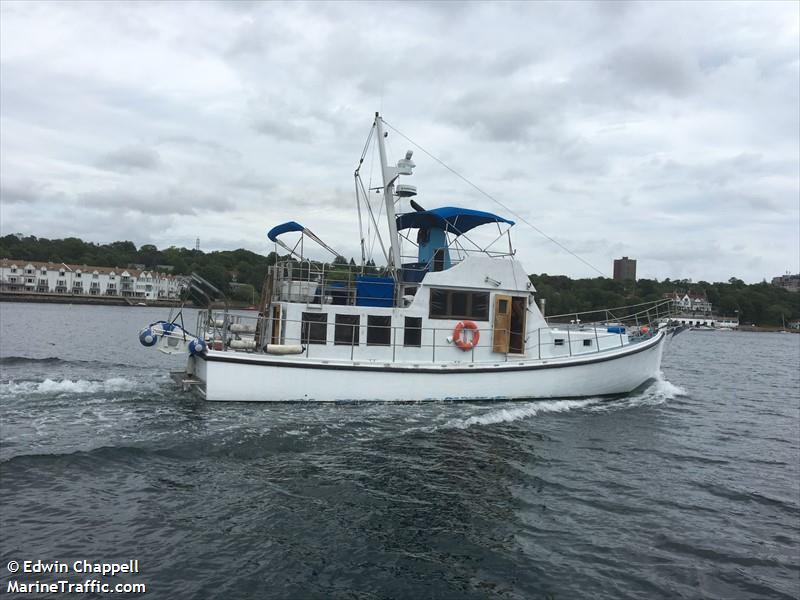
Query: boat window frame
point(351, 337)
point(469, 310)
point(373, 330)
point(321, 319)
point(412, 334)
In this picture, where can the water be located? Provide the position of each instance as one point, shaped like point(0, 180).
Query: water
point(688, 489)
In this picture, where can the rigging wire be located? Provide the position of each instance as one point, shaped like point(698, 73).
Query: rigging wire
point(360, 223)
point(495, 200)
point(370, 239)
point(372, 217)
point(366, 147)
point(366, 199)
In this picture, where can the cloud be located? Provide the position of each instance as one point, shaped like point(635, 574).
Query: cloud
point(650, 69)
point(22, 192)
point(666, 132)
point(170, 202)
point(281, 129)
point(130, 159)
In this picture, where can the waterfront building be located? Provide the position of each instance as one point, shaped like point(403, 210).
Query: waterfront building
point(707, 321)
point(788, 282)
point(689, 302)
point(33, 277)
point(624, 268)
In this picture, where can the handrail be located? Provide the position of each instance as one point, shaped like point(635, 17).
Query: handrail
point(655, 303)
point(221, 333)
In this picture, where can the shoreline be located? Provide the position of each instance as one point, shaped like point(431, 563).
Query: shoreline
point(108, 301)
point(84, 299)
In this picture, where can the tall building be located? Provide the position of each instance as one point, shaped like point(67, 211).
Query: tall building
point(624, 268)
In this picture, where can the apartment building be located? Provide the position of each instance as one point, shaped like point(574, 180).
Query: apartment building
point(33, 277)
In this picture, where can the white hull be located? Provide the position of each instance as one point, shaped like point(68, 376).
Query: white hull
point(233, 376)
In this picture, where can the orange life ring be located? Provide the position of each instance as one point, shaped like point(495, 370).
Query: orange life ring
point(462, 343)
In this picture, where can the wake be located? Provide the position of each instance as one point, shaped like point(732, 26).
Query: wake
point(658, 392)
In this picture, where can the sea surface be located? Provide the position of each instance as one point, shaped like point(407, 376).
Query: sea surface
point(687, 489)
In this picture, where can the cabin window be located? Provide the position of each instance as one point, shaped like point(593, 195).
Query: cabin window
point(412, 333)
point(587, 342)
point(379, 330)
point(315, 328)
point(558, 341)
point(458, 304)
point(346, 330)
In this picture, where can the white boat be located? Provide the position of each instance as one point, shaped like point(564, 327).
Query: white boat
point(456, 320)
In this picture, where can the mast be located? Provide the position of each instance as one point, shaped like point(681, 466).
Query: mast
point(389, 176)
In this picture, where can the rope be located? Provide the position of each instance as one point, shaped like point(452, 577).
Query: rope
point(366, 146)
point(496, 201)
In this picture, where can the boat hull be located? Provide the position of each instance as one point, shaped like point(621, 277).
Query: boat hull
point(229, 376)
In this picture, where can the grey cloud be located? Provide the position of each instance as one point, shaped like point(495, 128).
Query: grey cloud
point(131, 158)
point(587, 118)
point(22, 192)
point(646, 67)
point(281, 129)
point(203, 144)
point(171, 202)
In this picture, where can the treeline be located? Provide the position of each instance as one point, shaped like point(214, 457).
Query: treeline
point(760, 303)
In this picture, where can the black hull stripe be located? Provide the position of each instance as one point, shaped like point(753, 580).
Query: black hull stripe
point(640, 347)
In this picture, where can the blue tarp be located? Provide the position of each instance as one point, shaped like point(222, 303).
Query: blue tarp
point(372, 290)
point(449, 218)
point(284, 228)
point(414, 272)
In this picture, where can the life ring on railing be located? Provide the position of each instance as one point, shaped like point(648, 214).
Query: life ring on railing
point(462, 343)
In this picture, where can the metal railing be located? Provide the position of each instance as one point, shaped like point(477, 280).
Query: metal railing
point(321, 283)
point(327, 340)
point(643, 314)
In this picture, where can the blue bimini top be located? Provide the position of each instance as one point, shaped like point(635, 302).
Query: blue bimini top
point(448, 218)
point(284, 228)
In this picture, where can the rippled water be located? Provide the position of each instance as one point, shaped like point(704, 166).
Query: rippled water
point(687, 489)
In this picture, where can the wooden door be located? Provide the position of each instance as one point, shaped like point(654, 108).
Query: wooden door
point(276, 324)
point(501, 332)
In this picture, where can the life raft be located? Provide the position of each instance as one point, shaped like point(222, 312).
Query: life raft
point(474, 338)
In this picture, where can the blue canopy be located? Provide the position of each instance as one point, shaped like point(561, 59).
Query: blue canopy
point(448, 218)
point(284, 228)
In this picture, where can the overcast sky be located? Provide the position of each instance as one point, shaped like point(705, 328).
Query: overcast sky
point(666, 132)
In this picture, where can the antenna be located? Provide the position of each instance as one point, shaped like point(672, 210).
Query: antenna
point(197, 244)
